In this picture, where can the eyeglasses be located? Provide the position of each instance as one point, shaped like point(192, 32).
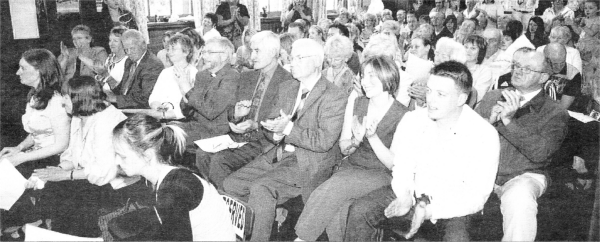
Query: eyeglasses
point(295, 58)
point(524, 69)
point(210, 52)
point(555, 63)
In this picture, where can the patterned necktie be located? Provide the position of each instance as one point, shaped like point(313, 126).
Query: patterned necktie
point(257, 97)
point(127, 76)
point(77, 68)
point(300, 104)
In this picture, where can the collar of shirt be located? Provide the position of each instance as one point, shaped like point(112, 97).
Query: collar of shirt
point(137, 63)
point(527, 97)
point(219, 72)
point(309, 84)
point(268, 73)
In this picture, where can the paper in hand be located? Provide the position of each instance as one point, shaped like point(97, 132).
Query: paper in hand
point(12, 184)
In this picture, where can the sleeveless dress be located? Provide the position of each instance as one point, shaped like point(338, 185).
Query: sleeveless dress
point(38, 123)
point(359, 174)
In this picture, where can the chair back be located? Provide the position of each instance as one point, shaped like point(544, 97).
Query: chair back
point(242, 217)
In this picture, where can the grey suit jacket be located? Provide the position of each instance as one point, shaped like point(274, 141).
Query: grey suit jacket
point(316, 130)
point(248, 82)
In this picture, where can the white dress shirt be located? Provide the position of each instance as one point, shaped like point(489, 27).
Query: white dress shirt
point(456, 168)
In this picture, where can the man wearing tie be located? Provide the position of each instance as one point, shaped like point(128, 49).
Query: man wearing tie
point(531, 127)
point(304, 129)
point(141, 71)
point(256, 100)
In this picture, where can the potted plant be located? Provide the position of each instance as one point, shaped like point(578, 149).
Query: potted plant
point(264, 12)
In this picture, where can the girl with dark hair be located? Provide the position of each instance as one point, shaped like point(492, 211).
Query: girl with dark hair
point(47, 124)
point(187, 206)
point(367, 133)
point(451, 24)
point(77, 188)
point(536, 32)
point(45, 120)
point(476, 47)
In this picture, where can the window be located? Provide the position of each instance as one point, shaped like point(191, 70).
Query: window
point(67, 6)
point(169, 7)
point(274, 7)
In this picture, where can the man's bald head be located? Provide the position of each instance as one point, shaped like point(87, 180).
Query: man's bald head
point(556, 56)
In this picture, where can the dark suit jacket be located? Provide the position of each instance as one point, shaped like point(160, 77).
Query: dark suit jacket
point(208, 102)
point(145, 76)
point(248, 83)
point(445, 33)
point(529, 140)
point(315, 132)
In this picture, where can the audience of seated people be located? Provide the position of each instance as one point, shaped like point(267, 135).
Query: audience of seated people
point(353, 116)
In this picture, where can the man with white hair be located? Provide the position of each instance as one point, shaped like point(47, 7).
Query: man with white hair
point(205, 104)
point(303, 129)
point(562, 35)
point(492, 37)
point(142, 69)
point(531, 127)
point(255, 100)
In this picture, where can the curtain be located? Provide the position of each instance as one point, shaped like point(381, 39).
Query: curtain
point(254, 12)
point(140, 12)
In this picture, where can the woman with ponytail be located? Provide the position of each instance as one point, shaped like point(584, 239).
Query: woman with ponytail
point(187, 206)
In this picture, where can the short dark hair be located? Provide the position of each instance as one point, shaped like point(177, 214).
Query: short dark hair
point(343, 29)
point(187, 45)
point(300, 26)
point(457, 72)
point(511, 34)
point(196, 38)
point(86, 95)
point(480, 43)
point(386, 70)
point(453, 19)
point(515, 26)
point(426, 18)
point(169, 34)
point(118, 30)
point(213, 17)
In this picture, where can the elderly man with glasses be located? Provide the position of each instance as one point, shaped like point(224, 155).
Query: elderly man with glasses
point(531, 126)
point(564, 84)
point(205, 104)
point(303, 131)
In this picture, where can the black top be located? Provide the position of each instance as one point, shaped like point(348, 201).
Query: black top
point(559, 85)
point(179, 193)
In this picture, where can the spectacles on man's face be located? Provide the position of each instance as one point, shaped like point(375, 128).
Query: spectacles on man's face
point(210, 52)
point(555, 63)
point(525, 70)
point(297, 58)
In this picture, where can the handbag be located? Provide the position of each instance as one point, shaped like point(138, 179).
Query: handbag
point(131, 222)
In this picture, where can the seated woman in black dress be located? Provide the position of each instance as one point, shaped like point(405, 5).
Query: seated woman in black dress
point(187, 206)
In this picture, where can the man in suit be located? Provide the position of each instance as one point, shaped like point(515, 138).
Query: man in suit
point(531, 126)
point(438, 25)
point(141, 71)
point(304, 129)
point(205, 105)
point(256, 99)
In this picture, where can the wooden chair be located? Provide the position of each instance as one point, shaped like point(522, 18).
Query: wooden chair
point(242, 217)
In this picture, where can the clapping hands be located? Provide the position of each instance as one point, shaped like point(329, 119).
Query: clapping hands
point(505, 110)
point(278, 124)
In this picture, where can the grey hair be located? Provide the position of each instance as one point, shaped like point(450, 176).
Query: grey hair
point(134, 35)
point(339, 45)
point(455, 50)
point(267, 39)
point(223, 43)
point(381, 45)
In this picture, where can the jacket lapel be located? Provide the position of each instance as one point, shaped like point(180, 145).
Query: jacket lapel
point(314, 95)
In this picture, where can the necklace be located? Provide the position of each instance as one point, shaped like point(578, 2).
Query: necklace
point(179, 72)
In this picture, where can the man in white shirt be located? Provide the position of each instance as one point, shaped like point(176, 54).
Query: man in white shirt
point(531, 126)
point(445, 156)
